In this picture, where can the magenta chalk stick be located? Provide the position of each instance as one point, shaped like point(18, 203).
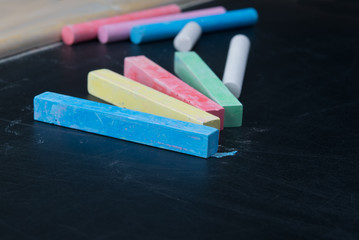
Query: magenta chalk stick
point(85, 31)
point(121, 31)
point(143, 70)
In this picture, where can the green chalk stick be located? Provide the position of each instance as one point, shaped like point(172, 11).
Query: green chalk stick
point(195, 72)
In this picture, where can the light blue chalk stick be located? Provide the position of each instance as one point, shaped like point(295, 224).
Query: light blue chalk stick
point(231, 19)
point(126, 124)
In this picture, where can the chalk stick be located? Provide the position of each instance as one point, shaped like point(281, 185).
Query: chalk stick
point(229, 20)
point(124, 92)
point(187, 37)
point(85, 31)
point(121, 31)
point(143, 70)
point(194, 71)
point(236, 64)
point(126, 124)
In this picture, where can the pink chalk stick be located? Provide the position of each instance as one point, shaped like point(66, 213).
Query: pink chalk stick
point(121, 31)
point(143, 70)
point(85, 31)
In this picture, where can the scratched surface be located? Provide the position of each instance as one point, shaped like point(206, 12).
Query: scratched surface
point(295, 173)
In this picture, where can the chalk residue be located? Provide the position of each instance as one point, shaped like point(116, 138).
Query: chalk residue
point(12, 124)
point(224, 154)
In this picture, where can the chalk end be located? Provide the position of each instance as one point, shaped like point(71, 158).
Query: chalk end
point(67, 35)
point(254, 14)
point(136, 35)
point(234, 89)
point(220, 114)
point(102, 35)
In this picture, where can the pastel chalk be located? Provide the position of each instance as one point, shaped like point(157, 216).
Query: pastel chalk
point(194, 71)
point(126, 124)
point(143, 70)
point(229, 20)
point(187, 37)
point(236, 64)
point(86, 31)
point(124, 92)
point(121, 31)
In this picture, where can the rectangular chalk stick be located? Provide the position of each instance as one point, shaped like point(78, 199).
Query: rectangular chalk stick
point(126, 124)
point(143, 70)
point(124, 92)
point(194, 71)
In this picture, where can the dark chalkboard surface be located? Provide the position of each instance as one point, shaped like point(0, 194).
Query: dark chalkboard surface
point(295, 175)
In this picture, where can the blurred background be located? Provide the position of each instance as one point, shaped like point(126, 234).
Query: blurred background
point(26, 25)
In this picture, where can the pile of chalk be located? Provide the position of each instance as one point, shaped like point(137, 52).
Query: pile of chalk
point(149, 105)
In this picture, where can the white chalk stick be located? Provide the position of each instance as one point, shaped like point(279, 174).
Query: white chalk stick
point(187, 37)
point(236, 64)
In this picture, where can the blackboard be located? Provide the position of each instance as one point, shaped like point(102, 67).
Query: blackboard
point(295, 175)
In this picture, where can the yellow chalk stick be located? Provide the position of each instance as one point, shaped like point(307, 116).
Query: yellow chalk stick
point(124, 92)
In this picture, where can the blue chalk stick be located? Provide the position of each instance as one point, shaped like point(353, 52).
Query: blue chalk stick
point(126, 124)
point(231, 19)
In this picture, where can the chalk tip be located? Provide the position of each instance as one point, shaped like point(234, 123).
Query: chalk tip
point(136, 35)
point(241, 37)
point(67, 35)
point(102, 35)
point(233, 88)
point(254, 14)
